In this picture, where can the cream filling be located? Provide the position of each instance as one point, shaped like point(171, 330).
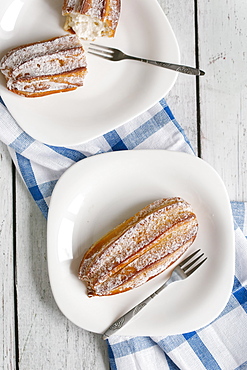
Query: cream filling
point(86, 27)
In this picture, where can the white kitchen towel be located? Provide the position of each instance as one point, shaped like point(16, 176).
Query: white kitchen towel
point(223, 343)
point(41, 165)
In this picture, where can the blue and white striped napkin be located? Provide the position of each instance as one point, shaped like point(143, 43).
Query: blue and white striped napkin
point(220, 345)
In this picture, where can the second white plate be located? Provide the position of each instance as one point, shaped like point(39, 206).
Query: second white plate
point(114, 92)
point(98, 193)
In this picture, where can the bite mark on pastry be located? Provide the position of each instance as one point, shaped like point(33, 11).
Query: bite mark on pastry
point(90, 19)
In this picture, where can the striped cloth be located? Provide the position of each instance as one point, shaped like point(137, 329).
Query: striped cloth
point(220, 345)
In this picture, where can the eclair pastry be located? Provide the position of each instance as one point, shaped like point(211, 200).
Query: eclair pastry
point(45, 67)
point(90, 19)
point(140, 248)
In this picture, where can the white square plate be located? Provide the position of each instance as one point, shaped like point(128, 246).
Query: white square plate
point(113, 93)
point(97, 194)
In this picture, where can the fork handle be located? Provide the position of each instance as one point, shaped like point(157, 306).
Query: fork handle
point(174, 67)
point(123, 320)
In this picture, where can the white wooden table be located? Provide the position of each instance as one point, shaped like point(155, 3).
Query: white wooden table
point(212, 110)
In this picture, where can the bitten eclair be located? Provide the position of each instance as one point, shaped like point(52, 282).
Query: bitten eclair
point(90, 19)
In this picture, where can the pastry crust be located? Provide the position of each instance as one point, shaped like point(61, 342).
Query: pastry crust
point(90, 19)
point(140, 248)
point(45, 67)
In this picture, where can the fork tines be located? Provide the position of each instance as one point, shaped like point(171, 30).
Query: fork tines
point(186, 264)
point(100, 50)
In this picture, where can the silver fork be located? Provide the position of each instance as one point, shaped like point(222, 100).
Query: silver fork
point(116, 55)
point(180, 272)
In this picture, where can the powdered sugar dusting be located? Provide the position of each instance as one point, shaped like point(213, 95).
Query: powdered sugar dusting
point(113, 15)
point(138, 232)
point(164, 252)
point(44, 84)
point(136, 239)
point(96, 9)
point(26, 53)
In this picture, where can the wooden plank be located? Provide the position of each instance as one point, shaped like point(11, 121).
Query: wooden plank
point(182, 97)
point(7, 292)
point(223, 91)
point(47, 340)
